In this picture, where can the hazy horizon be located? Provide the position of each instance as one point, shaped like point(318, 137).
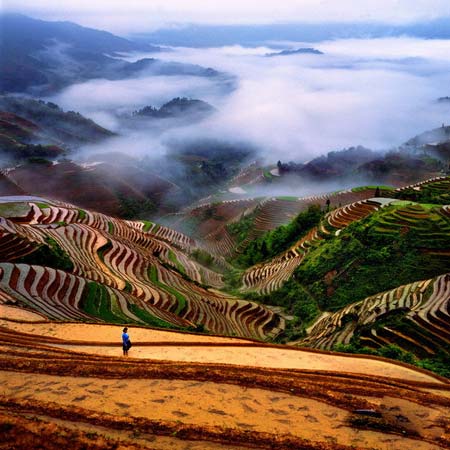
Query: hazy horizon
point(141, 16)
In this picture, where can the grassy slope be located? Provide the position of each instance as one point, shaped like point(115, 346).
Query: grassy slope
point(394, 246)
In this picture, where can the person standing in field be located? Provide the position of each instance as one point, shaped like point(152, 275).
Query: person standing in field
point(126, 343)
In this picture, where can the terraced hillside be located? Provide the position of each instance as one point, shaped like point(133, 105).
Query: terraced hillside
point(73, 264)
point(116, 186)
point(281, 210)
point(436, 190)
point(64, 387)
point(209, 223)
point(414, 317)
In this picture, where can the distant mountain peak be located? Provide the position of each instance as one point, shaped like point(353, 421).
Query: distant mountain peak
point(298, 51)
point(176, 107)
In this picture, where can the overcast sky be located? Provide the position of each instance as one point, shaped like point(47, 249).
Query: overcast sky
point(124, 16)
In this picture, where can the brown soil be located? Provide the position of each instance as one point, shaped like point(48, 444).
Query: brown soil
point(202, 392)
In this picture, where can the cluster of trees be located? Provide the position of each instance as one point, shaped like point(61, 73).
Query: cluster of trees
point(133, 208)
point(241, 229)
point(205, 259)
point(174, 108)
point(276, 241)
point(363, 260)
point(18, 152)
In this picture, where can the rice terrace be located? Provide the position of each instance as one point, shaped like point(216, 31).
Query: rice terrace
point(224, 226)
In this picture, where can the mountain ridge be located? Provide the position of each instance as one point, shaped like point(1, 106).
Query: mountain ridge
point(35, 50)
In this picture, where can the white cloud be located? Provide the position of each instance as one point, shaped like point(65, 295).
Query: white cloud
point(376, 93)
point(101, 99)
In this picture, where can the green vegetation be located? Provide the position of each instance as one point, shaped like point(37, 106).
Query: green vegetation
point(48, 255)
point(288, 198)
point(241, 229)
point(147, 225)
point(422, 348)
point(304, 312)
point(439, 364)
point(276, 241)
point(97, 302)
point(153, 276)
point(205, 259)
point(211, 213)
point(387, 189)
point(232, 280)
point(110, 228)
point(394, 246)
point(42, 205)
point(132, 208)
point(437, 192)
point(177, 263)
point(267, 175)
point(15, 143)
point(38, 160)
point(81, 214)
point(391, 351)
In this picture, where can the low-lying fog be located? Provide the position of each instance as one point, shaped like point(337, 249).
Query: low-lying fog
point(376, 93)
